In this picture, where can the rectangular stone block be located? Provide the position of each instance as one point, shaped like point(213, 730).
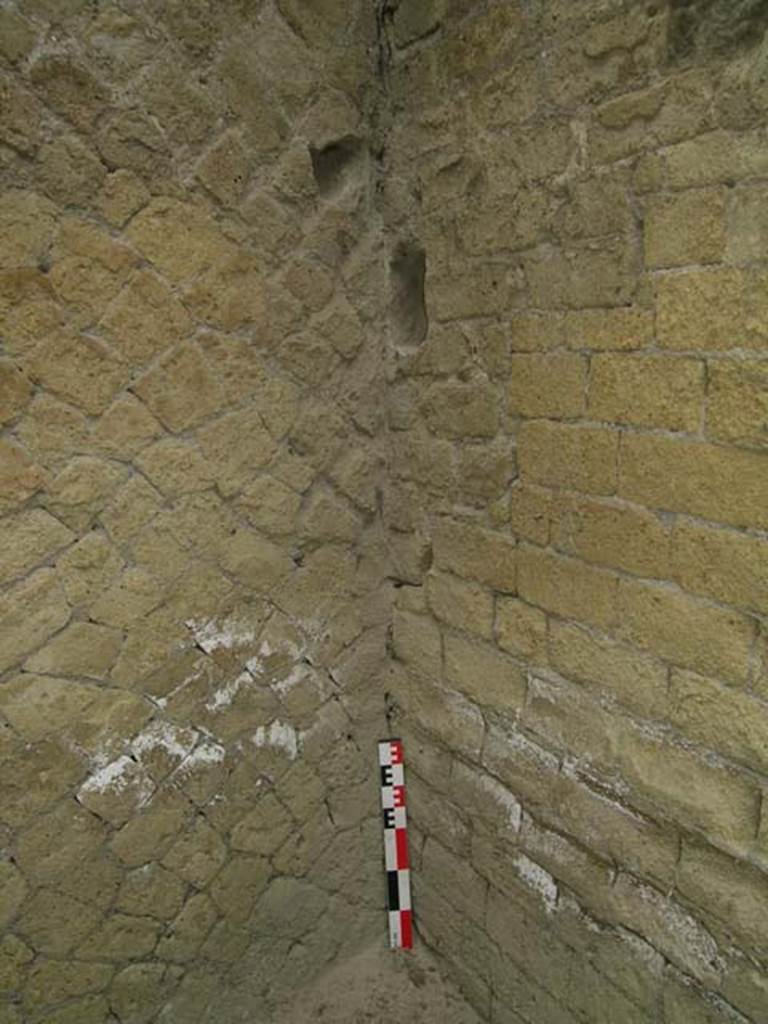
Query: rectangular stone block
point(732, 892)
point(720, 718)
point(609, 329)
point(722, 564)
point(521, 629)
point(647, 391)
point(685, 227)
point(552, 386)
point(747, 223)
point(612, 534)
point(609, 828)
point(535, 332)
point(721, 484)
point(595, 273)
point(417, 643)
point(637, 680)
point(667, 926)
point(438, 712)
point(714, 801)
point(568, 863)
point(576, 457)
point(493, 805)
point(737, 402)
point(474, 553)
point(567, 586)
point(527, 768)
point(461, 604)
point(686, 631)
point(529, 512)
point(487, 677)
point(715, 157)
point(712, 310)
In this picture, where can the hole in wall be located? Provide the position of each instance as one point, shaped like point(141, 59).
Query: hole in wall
point(715, 25)
point(333, 163)
point(407, 271)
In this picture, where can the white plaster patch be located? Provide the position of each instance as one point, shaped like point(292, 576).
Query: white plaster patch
point(206, 752)
point(175, 741)
point(112, 776)
point(214, 636)
point(279, 735)
point(506, 800)
point(296, 676)
point(537, 879)
point(224, 696)
point(688, 934)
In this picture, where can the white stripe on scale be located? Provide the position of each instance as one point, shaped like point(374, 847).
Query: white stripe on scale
point(390, 849)
point(395, 933)
point(404, 889)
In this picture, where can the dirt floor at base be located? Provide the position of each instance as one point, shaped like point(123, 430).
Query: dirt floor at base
point(379, 986)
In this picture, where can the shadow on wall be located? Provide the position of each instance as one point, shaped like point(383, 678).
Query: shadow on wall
point(408, 268)
point(715, 24)
point(335, 164)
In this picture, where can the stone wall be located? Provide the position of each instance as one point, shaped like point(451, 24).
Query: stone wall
point(577, 224)
point(191, 555)
point(383, 367)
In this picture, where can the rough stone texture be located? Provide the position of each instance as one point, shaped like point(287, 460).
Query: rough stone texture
point(192, 561)
point(578, 666)
point(392, 366)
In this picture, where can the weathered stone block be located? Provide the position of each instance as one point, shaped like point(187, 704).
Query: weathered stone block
point(689, 633)
point(636, 679)
point(567, 587)
point(552, 386)
point(485, 676)
point(577, 457)
point(647, 391)
point(712, 310)
point(724, 565)
point(30, 613)
point(737, 405)
point(461, 604)
point(685, 228)
point(724, 485)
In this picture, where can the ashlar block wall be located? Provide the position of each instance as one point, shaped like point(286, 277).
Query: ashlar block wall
point(577, 501)
point(383, 368)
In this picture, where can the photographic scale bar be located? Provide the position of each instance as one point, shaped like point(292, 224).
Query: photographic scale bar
point(396, 861)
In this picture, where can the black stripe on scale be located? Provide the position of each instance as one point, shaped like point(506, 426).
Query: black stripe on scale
point(386, 775)
point(389, 817)
point(393, 888)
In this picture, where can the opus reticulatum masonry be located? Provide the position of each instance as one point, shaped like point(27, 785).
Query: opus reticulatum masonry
point(396, 843)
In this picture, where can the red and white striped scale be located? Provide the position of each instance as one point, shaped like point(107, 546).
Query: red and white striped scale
point(396, 843)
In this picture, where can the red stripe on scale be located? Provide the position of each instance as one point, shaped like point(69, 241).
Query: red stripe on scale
point(401, 847)
point(396, 843)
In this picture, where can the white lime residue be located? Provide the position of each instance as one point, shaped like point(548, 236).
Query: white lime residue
point(213, 636)
point(256, 663)
point(171, 738)
point(279, 735)
point(224, 696)
point(206, 752)
point(505, 799)
point(296, 676)
point(536, 878)
point(110, 776)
